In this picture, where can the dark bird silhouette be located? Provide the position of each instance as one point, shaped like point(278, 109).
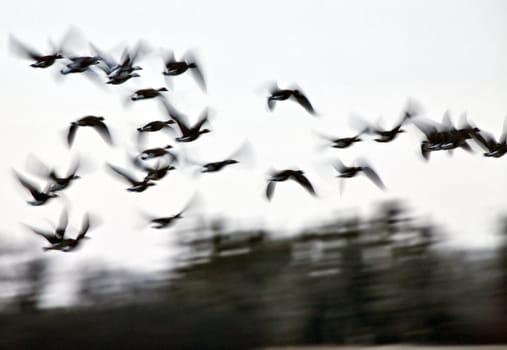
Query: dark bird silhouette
point(144, 94)
point(188, 133)
point(352, 171)
point(80, 64)
point(92, 121)
point(58, 234)
point(136, 185)
point(70, 244)
point(167, 221)
point(174, 67)
point(444, 136)
point(57, 183)
point(152, 173)
point(284, 175)
point(284, 94)
point(156, 125)
point(41, 61)
point(492, 147)
point(343, 142)
point(120, 72)
point(243, 153)
point(40, 197)
point(157, 152)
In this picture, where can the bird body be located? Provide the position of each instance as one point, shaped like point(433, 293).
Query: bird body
point(288, 174)
point(136, 185)
point(217, 166)
point(70, 244)
point(285, 94)
point(144, 94)
point(92, 121)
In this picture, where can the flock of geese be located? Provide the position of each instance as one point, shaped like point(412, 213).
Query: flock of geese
point(443, 136)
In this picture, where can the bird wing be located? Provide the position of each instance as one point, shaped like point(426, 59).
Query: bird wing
point(36, 166)
point(73, 168)
point(28, 185)
point(71, 134)
point(372, 175)
point(425, 126)
point(84, 227)
point(484, 139)
point(271, 103)
point(503, 136)
point(179, 118)
point(23, 50)
point(303, 181)
point(168, 57)
point(303, 101)
point(425, 153)
point(339, 166)
point(202, 119)
point(62, 224)
point(196, 70)
point(198, 76)
point(270, 189)
point(122, 173)
point(104, 132)
point(51, 238)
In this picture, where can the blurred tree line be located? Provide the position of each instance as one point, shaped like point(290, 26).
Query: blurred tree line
point(388, 278)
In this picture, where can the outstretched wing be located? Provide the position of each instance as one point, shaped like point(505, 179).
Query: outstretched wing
point(271, 103)
point(202, 119)
point(84, 227)
point(270, 189)
point(28, 185)
point(102, 129)
point(303, 181)
point(372, 175)
point(23, 50)
point(71, 134)
point(179, 118)
point(304, 102)
point(62, 224)
point(47, 235)
point(122, 173)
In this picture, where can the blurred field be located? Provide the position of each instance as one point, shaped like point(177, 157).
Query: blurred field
point(356, 282)
point(392, 347)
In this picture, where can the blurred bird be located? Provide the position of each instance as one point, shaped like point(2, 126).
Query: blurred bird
point(156, 125)
point(296, 175)
point(41, 61)
point(70, 244)
point(136, 185)
point(352, 171)
point(284, 94)
point(167, 221)
point(57, 183)
point(80, 64)
point(59, 232)
point(93, 121)
point(157, 152)
point(492, 147)
point(144, 94)
point(153, 173)
point(242, 154)
point(188, 133)
point(174, 67)
point(40, 197)
point(119, 72)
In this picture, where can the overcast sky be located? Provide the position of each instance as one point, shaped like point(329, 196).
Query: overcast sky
point(363, 57)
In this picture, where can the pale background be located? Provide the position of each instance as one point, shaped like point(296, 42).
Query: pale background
point(364, 57)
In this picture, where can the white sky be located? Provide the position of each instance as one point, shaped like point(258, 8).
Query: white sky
point(364, 57)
